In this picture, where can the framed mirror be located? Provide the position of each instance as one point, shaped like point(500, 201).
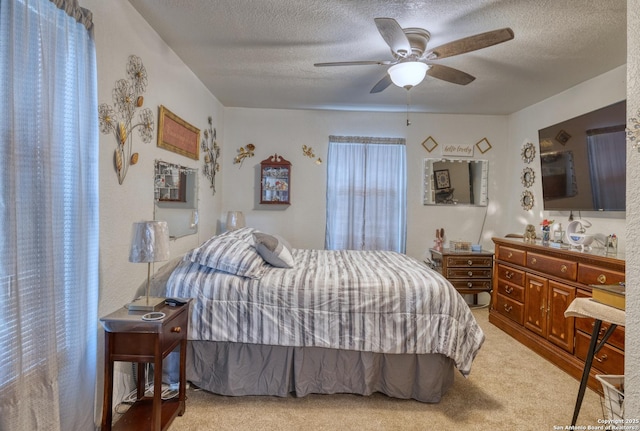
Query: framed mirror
point(526, 200)
point(176, 198)
point(455, 182)
point(527, 177)
point(528, 152)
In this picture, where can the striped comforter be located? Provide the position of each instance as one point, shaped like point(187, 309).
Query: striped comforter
point(374, 301)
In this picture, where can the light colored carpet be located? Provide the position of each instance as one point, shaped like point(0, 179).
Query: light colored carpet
point(510, 388)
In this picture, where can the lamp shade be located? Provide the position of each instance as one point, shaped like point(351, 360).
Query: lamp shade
point(408, 74)
point(149, 242)
point(235, 220)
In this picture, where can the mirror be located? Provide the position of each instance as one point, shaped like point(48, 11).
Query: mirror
point(455, 182)
point(176, 198)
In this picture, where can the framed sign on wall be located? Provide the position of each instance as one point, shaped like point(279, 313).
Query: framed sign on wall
point(175, 134)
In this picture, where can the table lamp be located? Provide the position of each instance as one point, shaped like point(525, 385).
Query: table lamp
point(235, 220)
point(149, 243)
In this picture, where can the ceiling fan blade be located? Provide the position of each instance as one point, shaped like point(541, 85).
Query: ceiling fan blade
point(382, 84)
point(449, 74)
point(393, 34)
point(471, 43)
point(355, 63)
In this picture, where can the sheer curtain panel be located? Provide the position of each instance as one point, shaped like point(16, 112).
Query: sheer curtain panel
point(366, 194)
point(48, 216)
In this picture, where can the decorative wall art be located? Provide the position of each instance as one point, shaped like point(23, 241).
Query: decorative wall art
point(563, 137)
point(526, 200)
point(483, 145)
point(633, 131)
point(308, 152)
point(127, 97)
point(243, 153)
point(528, 177)
point(211, 151)
point(175, 134)
point(442, 179)
point(429, 144)
point(528, 152)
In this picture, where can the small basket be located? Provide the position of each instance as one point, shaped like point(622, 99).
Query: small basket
point(613, 401)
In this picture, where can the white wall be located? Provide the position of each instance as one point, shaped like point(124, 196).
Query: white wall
point(599, 92)
point(632, 333)
point(119, 32)
point(303, 222)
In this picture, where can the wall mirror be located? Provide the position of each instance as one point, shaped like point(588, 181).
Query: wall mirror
point(176, 198)
point(456, 182)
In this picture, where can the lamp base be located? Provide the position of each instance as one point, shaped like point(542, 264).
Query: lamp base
point(145, 303)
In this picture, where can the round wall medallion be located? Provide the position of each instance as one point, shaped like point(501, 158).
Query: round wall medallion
point(528, 152)
point(528, 176)
point(526, 200)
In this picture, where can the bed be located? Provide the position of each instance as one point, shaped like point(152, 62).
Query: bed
point(267, 319)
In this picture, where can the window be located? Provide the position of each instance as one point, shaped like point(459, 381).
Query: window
point(48, 216)
point(366, 194)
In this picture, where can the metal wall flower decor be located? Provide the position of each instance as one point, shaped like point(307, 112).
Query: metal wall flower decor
point(633, 131)
point(211, 151)
point(119, 119)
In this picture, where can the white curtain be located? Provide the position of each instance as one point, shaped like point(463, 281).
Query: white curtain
point(48, 216)
point(608, 166)
point(366, 194)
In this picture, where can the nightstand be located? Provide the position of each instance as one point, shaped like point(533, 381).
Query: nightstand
point(470, 272)
point(129, 338)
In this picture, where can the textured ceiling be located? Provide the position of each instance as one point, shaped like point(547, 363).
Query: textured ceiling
point(260, 53)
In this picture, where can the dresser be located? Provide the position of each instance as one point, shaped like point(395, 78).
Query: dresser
point(470, 272)
point(532, 287)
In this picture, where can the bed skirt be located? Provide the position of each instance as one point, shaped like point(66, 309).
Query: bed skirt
point(236, 369)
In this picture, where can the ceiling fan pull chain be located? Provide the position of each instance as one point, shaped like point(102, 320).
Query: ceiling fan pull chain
point(408, 104)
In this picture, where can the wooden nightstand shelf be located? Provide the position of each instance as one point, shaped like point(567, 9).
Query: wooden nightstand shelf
point(470, 272)
point(129, 338)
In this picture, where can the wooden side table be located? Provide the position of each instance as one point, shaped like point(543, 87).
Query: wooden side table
point(129, 338)
point(470, 272)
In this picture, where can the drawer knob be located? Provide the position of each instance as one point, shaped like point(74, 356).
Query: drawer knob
point(508, 289)
point(508, 275)
point(469, 284)
point(176, 329)
point(563, 268)
point(533, 260)
point(470, 262)
point(508, 308)
point(602, 358)
point(510, 255)
point(602, 279)
point(470, 273)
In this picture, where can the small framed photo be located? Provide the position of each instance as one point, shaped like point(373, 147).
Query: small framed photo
point(442, 179)
point(483, 145)
point(563, 137)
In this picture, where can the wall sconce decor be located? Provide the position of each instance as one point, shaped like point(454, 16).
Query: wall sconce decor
point(127, 97)
point(244, 153)
point(211, 151)
point(308, 152)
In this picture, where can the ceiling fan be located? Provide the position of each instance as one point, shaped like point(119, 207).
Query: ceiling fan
point(412, 61)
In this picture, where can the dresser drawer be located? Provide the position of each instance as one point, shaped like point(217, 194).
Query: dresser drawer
point(609, 360)
point(510, 290)
point(468, 273)
point(475, 284)
point(511, 255)
point(513, 276)
point(588, 274)
point(553, 266)
point(469, 261)
point(510, 308)
point(616, 339)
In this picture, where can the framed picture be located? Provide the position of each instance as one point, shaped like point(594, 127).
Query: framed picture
point(429, 144)
point(483, 145)
point(442, 179)
point(175, 134)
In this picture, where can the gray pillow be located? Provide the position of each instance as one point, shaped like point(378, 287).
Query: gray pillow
point(273, 250)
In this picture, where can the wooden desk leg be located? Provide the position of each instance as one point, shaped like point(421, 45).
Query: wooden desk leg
point(156, 418)
point(141, 383)
point(587, 368)
point(107, 400)
point(182, 395)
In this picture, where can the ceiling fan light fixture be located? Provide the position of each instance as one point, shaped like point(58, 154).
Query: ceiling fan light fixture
point(408, 74)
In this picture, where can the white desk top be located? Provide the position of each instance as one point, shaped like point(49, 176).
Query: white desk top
point(587, 307)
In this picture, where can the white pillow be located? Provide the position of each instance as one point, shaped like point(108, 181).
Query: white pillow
point(229, 254)
point(273, 250)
